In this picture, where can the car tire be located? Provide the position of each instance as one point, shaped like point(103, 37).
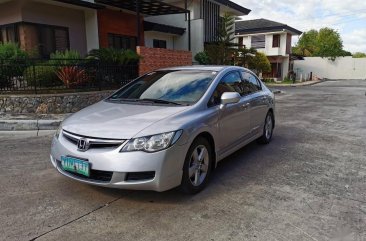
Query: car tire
point(267, 129)
point(197, 166)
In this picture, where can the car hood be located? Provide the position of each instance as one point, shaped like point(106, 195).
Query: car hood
point(117, 120)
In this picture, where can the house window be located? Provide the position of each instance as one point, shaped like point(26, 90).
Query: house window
point(9, 33)
point(258, 41)
point(276, 41)
point(159, 43)
point(52, 39)
point(47, 39)
point(121, 42)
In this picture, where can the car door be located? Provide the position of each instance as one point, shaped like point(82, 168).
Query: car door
point(234, 121)
point(258, 101)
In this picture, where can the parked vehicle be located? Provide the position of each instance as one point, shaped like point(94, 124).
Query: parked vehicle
point(165, 129)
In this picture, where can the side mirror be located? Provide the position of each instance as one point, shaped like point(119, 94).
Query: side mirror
point(230, 98)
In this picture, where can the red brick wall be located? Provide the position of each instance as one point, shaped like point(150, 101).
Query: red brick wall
point(111, 21)
point(155, 58)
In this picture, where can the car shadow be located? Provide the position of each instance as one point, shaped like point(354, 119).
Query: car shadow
point(246, 162)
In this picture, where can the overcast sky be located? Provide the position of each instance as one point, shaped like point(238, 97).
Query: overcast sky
point(346, 16)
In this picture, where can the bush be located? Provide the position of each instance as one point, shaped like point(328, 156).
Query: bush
point(13, 61)
point(260, 63)
point(270, 80)
point(41, 76)
point(68, 57)
point(12, 51)
point(202, 58)
point(114, 56)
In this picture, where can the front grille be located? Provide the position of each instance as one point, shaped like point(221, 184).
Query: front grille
point(139, 176)
point(92, 141)
point(95, 175)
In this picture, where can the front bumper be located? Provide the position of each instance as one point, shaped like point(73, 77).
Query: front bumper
point(110, 168)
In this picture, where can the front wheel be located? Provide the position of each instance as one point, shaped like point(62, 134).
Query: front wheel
point(197, 166)
point(267, 129)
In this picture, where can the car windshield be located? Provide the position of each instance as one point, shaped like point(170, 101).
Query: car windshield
point(167, 87)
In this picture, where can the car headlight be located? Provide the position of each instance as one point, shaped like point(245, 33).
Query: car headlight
point(152, 143)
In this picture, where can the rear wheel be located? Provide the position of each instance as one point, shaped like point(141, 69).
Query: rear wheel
point(267, 129)
point(197, 166)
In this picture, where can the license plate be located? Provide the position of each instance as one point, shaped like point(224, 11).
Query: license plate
point(75, 165)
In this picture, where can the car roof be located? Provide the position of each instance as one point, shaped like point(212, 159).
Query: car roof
point(202, 67)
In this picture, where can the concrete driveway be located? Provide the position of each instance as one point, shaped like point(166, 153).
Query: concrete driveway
point(308, 184)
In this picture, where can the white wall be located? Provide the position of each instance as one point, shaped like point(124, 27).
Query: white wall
point(73, 19)
point(151, 35)
point(197, 36)
point(181, 42)
point(91, 29)
point(341, 68)
point(177, 20)
point(10, 12)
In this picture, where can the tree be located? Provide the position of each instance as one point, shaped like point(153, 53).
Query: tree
point(243, 55)
point(325, 43)
point(221, 51)
point(329, 44)
point(346, 53)
point(359, 55)
point(307, 44)
point(259, 63)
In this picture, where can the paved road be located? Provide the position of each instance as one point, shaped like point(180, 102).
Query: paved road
point(308, 184)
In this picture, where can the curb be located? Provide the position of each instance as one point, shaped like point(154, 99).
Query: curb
point(29, 125)
point(295, 85)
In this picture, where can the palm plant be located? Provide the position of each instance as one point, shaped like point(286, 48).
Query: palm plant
point(114, 56)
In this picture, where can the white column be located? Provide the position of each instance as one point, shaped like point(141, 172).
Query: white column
point(91, 25)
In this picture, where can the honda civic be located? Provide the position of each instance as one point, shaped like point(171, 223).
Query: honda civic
point(165, 129)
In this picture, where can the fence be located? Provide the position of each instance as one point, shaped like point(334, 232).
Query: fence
point(62, 75)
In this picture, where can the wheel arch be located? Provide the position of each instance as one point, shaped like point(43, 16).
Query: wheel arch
point(209, 137)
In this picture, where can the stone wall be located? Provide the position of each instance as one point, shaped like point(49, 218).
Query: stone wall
point(156, 58)
point(49, 103)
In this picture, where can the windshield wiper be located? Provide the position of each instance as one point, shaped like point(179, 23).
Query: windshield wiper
point(123, 99)
point(159, 101)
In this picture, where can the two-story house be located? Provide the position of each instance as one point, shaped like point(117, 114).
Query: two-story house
point(203, 20)
point(272, 38)
point(49, 25)
point(167, 31)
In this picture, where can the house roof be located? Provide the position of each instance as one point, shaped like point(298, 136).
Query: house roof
point(262, 26)
point(237, 7)
point(148, 7)
point(150, 26)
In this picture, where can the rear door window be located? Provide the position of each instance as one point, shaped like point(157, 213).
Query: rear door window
point(251, 83)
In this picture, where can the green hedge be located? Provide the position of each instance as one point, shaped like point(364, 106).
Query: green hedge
point(13, 61)
point(42, 76)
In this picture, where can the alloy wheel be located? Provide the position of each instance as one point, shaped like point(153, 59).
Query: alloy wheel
point(198, 165)
point(268, 127)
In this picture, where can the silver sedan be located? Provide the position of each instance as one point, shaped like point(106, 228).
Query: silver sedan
point(165, 129)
